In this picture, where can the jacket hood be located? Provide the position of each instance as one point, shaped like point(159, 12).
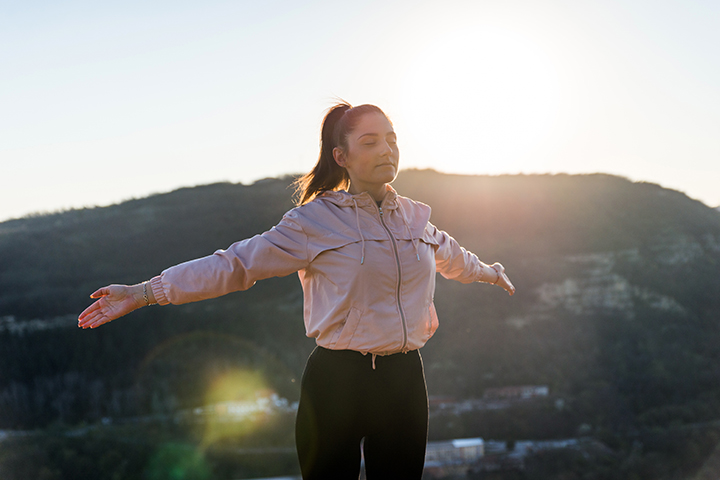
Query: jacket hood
point(390, 204)
point(341, 198)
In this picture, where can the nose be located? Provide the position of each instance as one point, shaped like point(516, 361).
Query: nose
point(387, 149)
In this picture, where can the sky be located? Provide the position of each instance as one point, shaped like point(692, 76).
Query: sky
point(101, 102)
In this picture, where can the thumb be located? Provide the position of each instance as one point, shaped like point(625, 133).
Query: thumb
point(101, 292)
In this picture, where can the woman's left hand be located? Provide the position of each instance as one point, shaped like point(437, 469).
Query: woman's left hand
point(503, 280)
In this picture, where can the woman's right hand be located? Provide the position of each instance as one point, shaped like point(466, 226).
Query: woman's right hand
point(113, 302)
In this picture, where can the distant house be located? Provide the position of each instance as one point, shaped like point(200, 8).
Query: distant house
point(461, 450)
point(452, 457)
point(519, 392)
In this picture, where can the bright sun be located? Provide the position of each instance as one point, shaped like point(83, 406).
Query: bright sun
point(480, 100)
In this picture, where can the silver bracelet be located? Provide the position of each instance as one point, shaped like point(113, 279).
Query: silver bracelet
point(145, 295)
point(498, 275)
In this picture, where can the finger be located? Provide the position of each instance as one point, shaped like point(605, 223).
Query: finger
point(92, 321)
point(100, 292)
point(89, 310)
point(506, 284)
point(90, 318)
point(90, 324)
point(95, 307)
point(100, 321)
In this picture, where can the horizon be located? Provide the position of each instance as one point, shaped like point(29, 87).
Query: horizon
point(280, 177)
point(108, 102)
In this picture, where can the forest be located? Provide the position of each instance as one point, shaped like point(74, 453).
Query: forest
point(617, 312)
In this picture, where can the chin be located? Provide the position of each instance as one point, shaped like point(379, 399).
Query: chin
point(391, 178)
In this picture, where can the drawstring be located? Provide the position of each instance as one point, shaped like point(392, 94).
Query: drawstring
point(362, 258)
point(375, 355)
point(414, 241)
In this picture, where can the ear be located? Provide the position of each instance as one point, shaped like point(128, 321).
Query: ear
point(339, 156)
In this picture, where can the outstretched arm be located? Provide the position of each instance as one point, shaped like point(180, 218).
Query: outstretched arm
point(113, 302)
point(456, 263)
point(278, 252)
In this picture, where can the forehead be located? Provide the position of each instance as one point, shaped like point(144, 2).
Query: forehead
point(372, 123)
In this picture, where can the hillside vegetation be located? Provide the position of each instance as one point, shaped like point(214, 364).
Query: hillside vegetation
point(617, 310)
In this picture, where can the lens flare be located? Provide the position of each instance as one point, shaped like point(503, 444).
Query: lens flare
point(224, 388)
point(236, 404)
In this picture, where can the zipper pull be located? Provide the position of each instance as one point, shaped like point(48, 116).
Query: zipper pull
point(381, 214)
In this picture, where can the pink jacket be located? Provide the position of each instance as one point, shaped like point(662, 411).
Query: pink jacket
point(367, 272)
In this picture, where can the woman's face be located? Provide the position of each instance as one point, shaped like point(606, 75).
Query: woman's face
point(372, 155)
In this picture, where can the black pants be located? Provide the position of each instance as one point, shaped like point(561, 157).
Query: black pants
point(343, 400)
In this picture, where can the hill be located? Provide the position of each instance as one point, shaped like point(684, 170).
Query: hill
point(617, 310)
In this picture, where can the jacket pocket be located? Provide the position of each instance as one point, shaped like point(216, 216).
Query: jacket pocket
point(347, 330)
point(432, 322)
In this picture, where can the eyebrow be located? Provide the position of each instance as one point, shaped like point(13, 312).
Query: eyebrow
point(376, 134)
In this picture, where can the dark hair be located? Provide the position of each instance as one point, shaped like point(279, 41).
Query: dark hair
point(338, 123)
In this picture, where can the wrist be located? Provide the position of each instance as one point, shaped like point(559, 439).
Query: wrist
point(142, 295)
point(491, 273)
point(497, 273)
point(148, 297)
point(136, 293)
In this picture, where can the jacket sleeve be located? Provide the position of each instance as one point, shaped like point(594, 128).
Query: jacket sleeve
point(453, 261)
point(278, 252)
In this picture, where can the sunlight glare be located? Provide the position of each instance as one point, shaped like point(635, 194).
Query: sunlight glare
point(479, 100)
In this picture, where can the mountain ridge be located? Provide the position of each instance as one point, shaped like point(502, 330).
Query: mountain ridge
point(617, 281)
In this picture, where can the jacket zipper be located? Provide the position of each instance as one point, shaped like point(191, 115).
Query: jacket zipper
point(399, 283)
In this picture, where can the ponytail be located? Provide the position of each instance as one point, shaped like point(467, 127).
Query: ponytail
point(327, 175)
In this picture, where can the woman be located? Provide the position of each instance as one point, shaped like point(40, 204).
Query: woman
point(367, 260)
